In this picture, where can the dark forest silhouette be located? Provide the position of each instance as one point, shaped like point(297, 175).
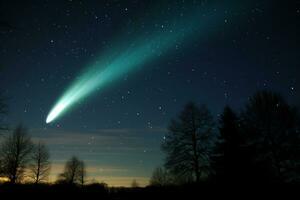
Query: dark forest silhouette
point(258, 145)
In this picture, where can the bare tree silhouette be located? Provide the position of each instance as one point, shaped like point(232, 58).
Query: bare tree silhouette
point(134, 184)
point(82, 173)
point(40, 167)
point(74, 172)
point(15, 154)
point(161, 177)
point(188, 142)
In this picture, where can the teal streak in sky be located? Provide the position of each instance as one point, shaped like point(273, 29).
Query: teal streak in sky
point(133, 55)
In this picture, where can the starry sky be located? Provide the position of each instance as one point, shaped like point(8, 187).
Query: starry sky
point(211, 52)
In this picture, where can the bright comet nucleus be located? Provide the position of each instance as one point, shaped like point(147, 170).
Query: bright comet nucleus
point(55, 112)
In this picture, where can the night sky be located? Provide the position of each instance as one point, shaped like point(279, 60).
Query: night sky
point(158, 55)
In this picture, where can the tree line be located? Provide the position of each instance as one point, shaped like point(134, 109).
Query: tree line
point(21, 160)
point(259, 144)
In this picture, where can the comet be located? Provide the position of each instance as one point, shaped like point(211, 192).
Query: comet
point(122, 59)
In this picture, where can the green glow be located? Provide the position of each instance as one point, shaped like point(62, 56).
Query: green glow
point(145, 49)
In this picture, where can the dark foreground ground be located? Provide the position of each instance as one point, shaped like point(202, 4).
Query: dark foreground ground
point(186, 192)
